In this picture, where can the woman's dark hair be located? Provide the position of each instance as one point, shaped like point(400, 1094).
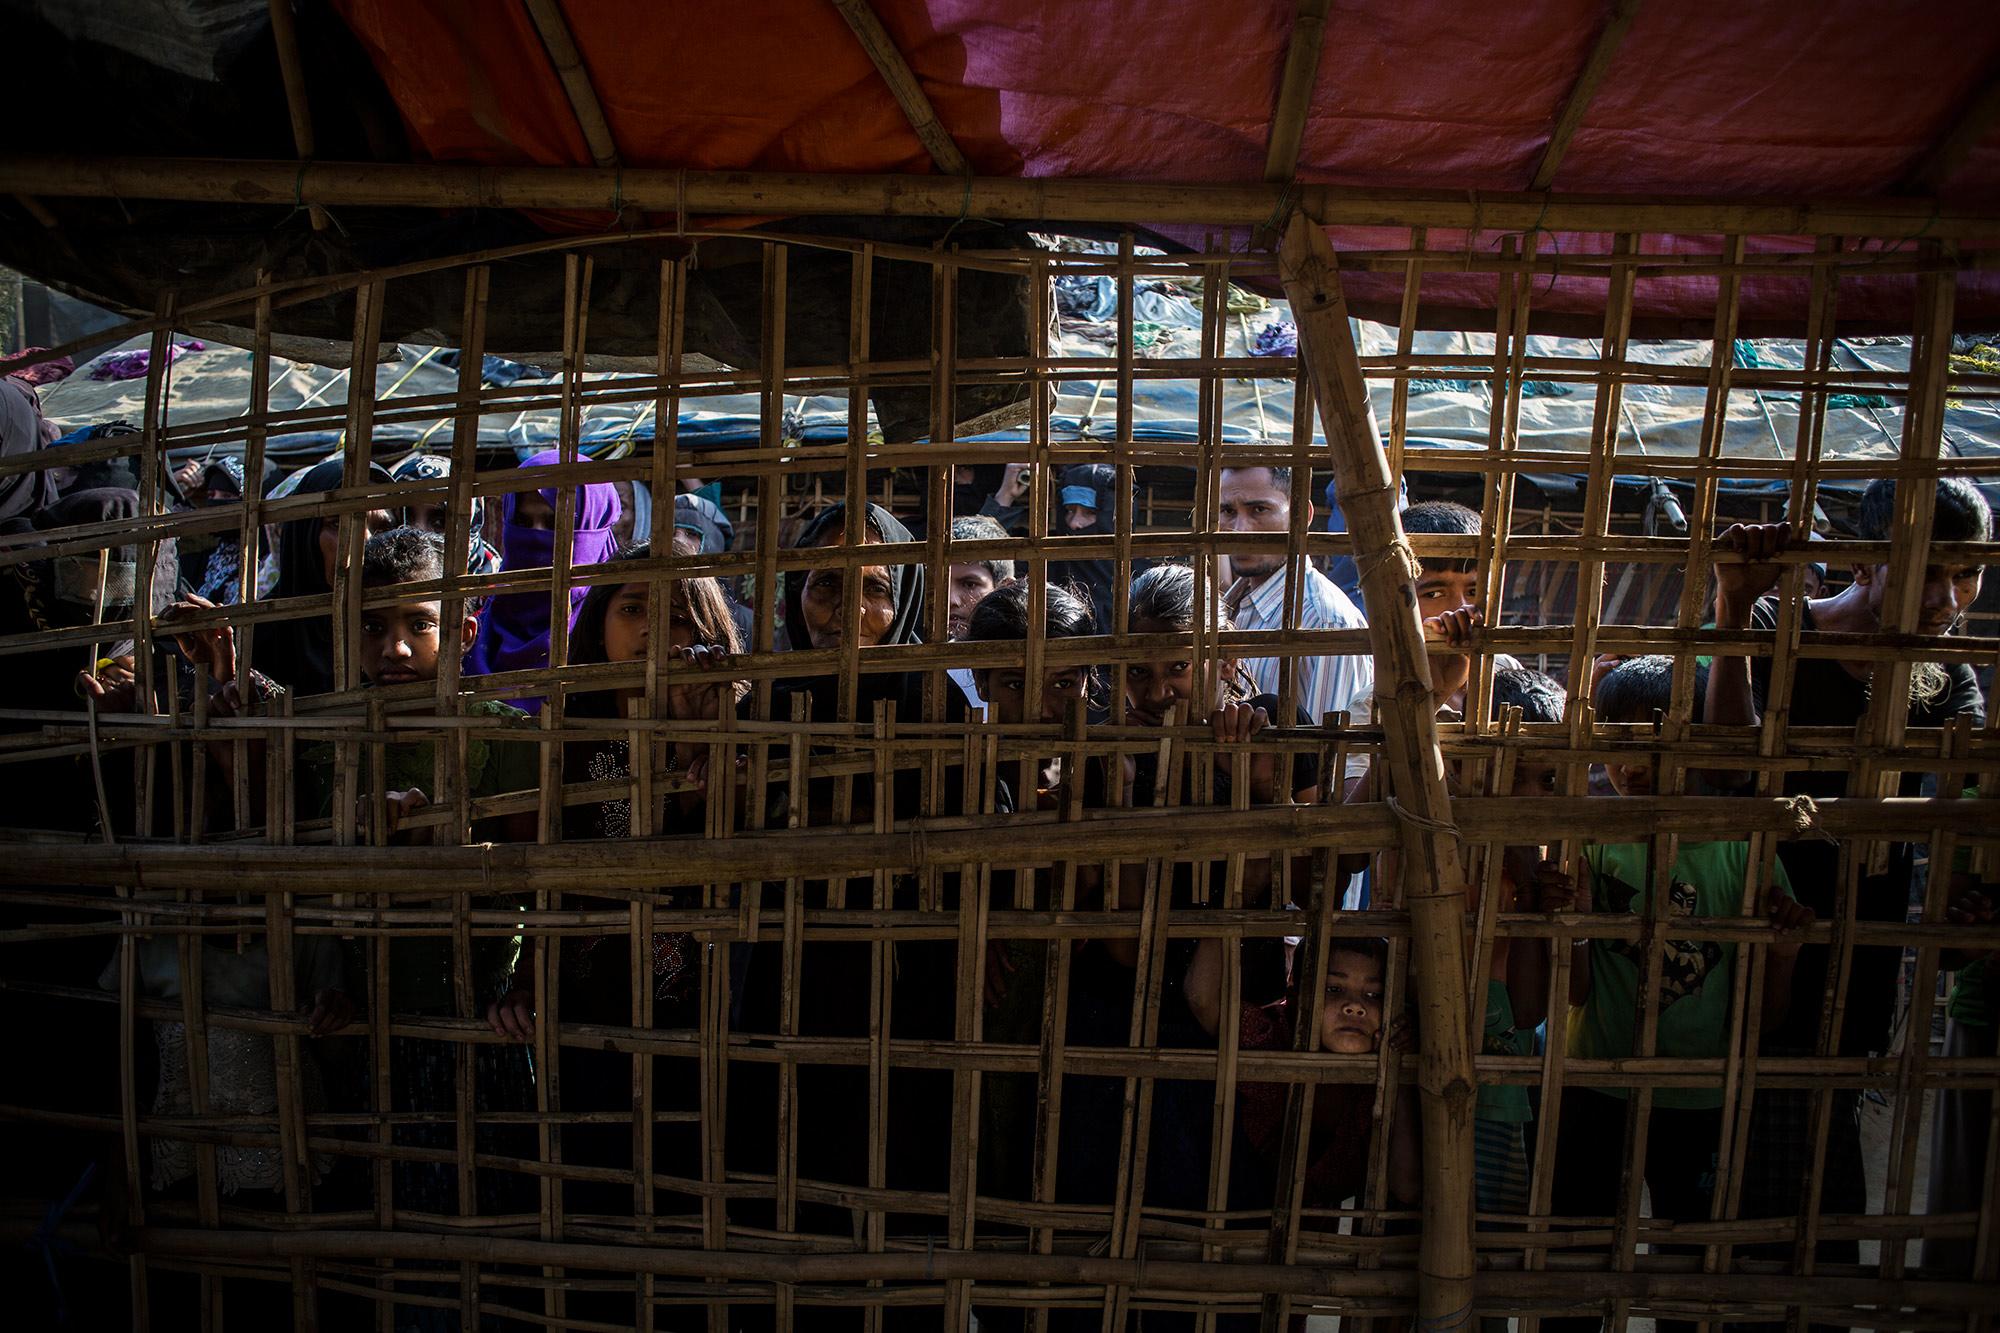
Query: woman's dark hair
point(402, 555)
point(1002, 615)
point(700, 599)
point(1541, 698)
point(1444, 518)
point(1962, 514)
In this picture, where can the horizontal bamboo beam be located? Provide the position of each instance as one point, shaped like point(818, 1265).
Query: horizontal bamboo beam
point(823, 853)
point(446, 185)
point(1561, 1287)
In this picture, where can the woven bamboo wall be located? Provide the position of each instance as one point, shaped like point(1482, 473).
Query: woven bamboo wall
point(713, 1216)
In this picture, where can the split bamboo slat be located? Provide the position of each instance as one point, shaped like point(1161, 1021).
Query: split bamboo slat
point(853, 1007)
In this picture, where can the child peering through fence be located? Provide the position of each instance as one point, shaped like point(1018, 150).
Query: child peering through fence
point(399, 645)
point(1691, 1004)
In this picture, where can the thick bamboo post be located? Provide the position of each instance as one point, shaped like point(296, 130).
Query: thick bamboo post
point(1433, 885)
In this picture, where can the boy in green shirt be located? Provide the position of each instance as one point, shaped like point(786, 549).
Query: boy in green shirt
point(1708, 879)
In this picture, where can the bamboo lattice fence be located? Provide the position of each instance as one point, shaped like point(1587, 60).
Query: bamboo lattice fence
point(877, 837)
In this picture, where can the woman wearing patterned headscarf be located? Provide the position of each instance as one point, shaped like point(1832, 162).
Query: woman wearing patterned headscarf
point(515, 633)
point(431, 514)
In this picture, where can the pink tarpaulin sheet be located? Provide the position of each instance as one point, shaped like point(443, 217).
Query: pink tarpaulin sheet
point(1704, 98)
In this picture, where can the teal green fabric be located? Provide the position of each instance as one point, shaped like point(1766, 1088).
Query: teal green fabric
point(420, 966)
point(1971, 998)
point(1708, 880)
point(1506, 1102)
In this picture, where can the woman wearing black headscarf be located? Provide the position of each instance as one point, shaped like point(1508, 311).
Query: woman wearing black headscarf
point(298, 654)
point(892, 609)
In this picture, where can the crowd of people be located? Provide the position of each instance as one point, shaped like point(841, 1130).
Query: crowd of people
point(1119, 988)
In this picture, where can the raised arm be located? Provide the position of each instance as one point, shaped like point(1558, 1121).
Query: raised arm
point(1730, 701)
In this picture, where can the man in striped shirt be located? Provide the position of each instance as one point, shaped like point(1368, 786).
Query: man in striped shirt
point(1259, 499)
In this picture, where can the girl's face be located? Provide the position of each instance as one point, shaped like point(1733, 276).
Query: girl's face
point(379, 520)
point(626, 622)
point(1151, 688)
point(1005, 690)
point(626, 631)
point(821, 598)
point(1350, 1021)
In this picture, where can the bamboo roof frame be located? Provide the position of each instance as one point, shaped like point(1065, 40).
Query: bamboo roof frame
point(763, 875)
point(682, 194)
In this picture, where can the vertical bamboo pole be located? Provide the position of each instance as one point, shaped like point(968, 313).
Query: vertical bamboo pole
point(1433, 884)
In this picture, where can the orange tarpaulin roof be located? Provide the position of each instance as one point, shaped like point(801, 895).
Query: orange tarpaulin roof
point(1713, 98)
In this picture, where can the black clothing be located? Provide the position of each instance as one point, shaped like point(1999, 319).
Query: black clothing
point(1824, 694)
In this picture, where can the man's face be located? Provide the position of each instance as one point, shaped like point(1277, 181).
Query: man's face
point(1079, 518)
point(1441, 591)
point(967, 585)
point(1252, 501)
point(1005, 690)
point(399, 644)
point(1350, 1021)
point(1948, 593)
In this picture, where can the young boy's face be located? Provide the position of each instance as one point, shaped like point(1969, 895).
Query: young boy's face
point(1350, 1022)
point(1534, 778)
point(1633, 779)
point(1442, 591)
point(968, 585)
point(399, 644)
point(1005, 690)
point(1152, 688)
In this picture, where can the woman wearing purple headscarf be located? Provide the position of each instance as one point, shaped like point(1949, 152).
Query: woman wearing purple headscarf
point(514, 632)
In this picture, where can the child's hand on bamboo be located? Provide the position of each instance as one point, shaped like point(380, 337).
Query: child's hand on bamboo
point(1401, 1035)
point(214, 647)
point(1972, 908)
point(113, 683)
point(1235, 724)
point(332, 1010)
point(1543, 885)
point(1450, 671)
point(1789, 918)
point(1738, 584)
point(512, 1016)
point(403, 804)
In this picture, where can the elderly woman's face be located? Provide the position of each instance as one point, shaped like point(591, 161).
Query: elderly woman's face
point(825, 605)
